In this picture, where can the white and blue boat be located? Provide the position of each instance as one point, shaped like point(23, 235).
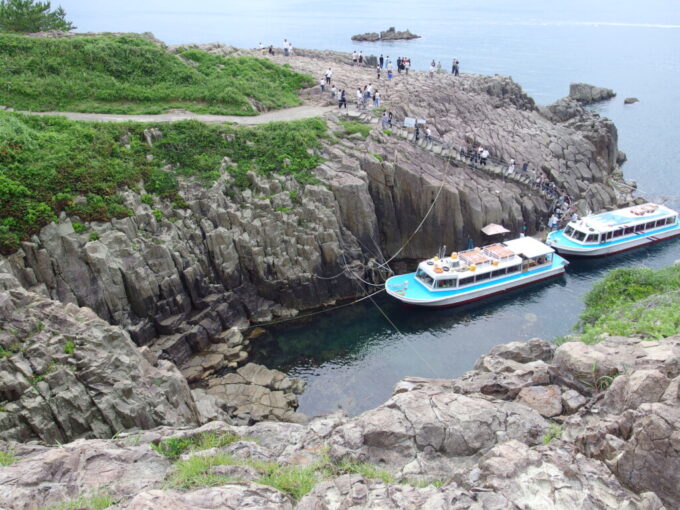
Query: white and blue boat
point(476, 274)
point(612, 232)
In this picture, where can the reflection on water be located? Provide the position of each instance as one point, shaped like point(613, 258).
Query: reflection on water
point(351, 358)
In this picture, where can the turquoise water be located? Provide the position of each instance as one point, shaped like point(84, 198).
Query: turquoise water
point(351, 358)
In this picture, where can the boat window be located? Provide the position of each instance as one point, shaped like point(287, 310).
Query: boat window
point(482, 276)
point(497, 272)
point(465, 281)
point(568, 231)
point(513, 269)
point(608, 235)
point(650, 225)
point(618, 233)
point(446, 283)
point(672, 219)
point(592, 238)
point(424, 277)
point(578, 235)
point(639, 227)
point(628, 230)
point(660, 223)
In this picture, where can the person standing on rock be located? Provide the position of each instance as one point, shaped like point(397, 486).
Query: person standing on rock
point(485, 156)
point(322, 84)
point(329, 74)
point(377, 71)
point(407, 66)
point(417, 133)
point(354, 57)
point(334, 92)
point(428, 134)
point(343, 100)
point(381, 61)
point(525, 167)
point(433, 66)
point(360, 99)
point(271, 49)
point(385, 121)
point(285, 47)
point(361, 58)
point(511, 166)
point(376, 99)
point(399, 65)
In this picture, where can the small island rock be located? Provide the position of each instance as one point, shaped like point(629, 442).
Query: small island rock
point(630, 100)
point(388, 35)
point(588, 94)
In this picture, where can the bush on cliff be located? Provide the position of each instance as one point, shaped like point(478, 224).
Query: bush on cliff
point(636, 302)
point(134, 75)
point(50, 164)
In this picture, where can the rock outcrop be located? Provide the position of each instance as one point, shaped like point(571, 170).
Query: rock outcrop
point(177, 281)
point(474, 442)
point(388, 35)
point(67, 374)
point(587, 94)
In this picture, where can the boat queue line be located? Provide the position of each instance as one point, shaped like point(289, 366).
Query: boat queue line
point(482, 272)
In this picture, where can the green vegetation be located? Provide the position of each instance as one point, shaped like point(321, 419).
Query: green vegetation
point(352, 127)
point(7, 459)
point(147, 199)
point(131, 74)
point(554, 432)
point(378, 157)
point(94, 236)
point(174, 447)
point(296, 481)
point(158, 214)
point(69, 347)
point(95, 502)
point(48, 162)
point(633, 302)
point(30, 16)
point(78, 227)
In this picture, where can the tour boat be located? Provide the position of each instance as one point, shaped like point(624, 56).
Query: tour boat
point(476, 274)
point(615, 231)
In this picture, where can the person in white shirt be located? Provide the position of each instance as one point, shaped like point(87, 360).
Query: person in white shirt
point(322, 84)
point(329, 74)
point(376, 99)
point(285, 47)
point(485, 155)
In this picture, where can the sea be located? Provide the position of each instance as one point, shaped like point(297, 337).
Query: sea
point(352, 357)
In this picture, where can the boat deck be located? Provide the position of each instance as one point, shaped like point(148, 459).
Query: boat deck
point(416, 291)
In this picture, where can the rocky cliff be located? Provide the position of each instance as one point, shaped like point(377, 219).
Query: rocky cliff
point(180, 280)
point(531, 427)
point(234, 256)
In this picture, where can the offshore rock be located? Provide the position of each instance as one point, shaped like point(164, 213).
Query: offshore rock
point(68, 374)
point(587, 94)
point(388, 35)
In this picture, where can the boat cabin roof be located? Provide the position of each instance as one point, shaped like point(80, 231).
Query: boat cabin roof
point(612, 220)
point(529, 247)
point(480, 260)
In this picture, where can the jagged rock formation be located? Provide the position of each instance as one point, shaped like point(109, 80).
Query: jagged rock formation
point(178, 282)
point(474, 439)
point(388, 35)
point(66, 374)
point(587, 94)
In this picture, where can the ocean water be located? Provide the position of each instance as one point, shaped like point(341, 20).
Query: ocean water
point(351, 358)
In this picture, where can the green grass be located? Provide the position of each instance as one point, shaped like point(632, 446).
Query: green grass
point(352, 127)
point(7, 459)
point(129, 74)
point(635, 302)
point(296, 481)
point(47, 163)
point(174, 447)
point(95, 502)
point(554, 432)
point(69, 347)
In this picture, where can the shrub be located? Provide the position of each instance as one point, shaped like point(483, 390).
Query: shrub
point(147, 199)
point(94, 236)
point(69, 347)
point(7, 459)
point(78, 227)
point(158, 214)
point(352, 127)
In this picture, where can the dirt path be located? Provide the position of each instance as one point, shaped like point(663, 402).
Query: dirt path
point(296, 113)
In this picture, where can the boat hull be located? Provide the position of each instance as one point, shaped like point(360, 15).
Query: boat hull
point(476, 292)
point(572, 249)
